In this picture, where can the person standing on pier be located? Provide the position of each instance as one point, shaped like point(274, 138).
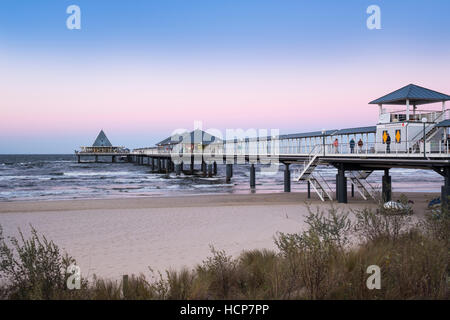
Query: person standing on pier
point(336, 145)
point(352, 146)
point(360, 145)
point(388, 143)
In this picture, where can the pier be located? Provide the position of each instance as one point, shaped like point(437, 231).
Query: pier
point(406, 138)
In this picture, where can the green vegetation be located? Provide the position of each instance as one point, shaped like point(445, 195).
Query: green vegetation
point(326, 261)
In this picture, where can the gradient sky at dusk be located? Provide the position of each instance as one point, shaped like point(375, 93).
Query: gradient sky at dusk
point(141, 69)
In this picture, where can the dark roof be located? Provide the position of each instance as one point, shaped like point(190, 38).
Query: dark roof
point(196, 136)
point(102, 140)
point(415, 94)
point(371, 129)
point(334, 132)
point(307, 134)
point(207, 138)
point(444, 123)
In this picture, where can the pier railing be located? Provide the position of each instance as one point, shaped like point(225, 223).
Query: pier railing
point(404, 148)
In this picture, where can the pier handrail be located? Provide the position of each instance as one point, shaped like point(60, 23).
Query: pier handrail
point(428, 127)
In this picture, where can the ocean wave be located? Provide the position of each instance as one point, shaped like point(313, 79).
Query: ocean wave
point(200, 186)
point(7, 178)
point(98, 173)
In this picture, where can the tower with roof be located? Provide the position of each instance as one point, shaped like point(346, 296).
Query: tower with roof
point(405, 124)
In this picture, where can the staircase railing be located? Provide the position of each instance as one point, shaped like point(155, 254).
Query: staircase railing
point(311, 158)
point(325, 186)
point(428, 128)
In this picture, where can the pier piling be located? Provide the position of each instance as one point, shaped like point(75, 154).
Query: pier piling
point(204, 168)
point(229, 172)
point(309, 189)
point(445, 190)
point(252, 176)
point(386, 186)
point(341, 185)
point(287, 178)
point(210, 170)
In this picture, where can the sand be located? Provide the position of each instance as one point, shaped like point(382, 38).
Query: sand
point(113, 237)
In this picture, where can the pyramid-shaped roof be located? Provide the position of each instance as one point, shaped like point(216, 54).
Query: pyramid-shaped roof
point(102, 140)
point(196, 136)
point(415, 94)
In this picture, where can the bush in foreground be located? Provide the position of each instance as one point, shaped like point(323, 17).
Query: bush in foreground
point(322, 262)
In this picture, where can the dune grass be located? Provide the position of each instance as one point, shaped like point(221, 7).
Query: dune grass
point(323, 262)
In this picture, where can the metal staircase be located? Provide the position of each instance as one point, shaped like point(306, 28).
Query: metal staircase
point(430, 130)
point(358, 179)
point(318, 183)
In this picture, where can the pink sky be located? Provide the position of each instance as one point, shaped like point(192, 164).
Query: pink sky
point(47, 99)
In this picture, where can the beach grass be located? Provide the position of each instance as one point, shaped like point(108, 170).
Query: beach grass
point(328, 260)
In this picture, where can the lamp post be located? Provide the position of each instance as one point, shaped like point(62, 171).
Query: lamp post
point(323, 141)
point(424, 121)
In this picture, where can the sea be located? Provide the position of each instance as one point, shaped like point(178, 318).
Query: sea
point(60, 177)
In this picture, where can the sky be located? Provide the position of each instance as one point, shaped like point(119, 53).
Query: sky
point(141, 69)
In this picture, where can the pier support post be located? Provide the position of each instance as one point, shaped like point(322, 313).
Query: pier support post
point(79, 159)
point(178, 169)
point(210, 170)
point(341, 185)
point(167, 166)
point(113, 159)
point(309, 189)
point(386, 187)
point(287, 178)
point(252, 176)
point(229, 172)
point(96, 159)
point(204, 168)
point(159, 165)
point(192, 164)
point(153, 164)
point(353, 190)
point(445, 191)
point(215, 168)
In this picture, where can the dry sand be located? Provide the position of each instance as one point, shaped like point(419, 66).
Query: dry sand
point(125, 236)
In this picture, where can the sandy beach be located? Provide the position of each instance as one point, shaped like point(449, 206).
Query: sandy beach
point(113, 237)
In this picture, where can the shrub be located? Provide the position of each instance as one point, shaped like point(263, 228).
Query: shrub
point(372, 225)
point(219, 272)
point(33, 268)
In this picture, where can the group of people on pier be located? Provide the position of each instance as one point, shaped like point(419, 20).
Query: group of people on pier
point(352, 145)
